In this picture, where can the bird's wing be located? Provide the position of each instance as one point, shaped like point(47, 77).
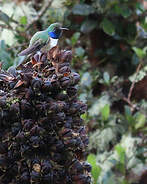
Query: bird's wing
point(35, 38)
point(33, 48)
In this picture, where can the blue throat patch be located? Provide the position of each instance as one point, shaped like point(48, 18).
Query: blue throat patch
point(54, 35)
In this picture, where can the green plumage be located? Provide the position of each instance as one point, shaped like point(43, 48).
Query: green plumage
point(42, 41)
point(41, 36)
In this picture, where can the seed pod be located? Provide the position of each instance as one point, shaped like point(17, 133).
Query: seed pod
point(62, 65)
point(62, 106)
point(59, 145)
point(26, 109)
point(26, 77)
point(25, 149)
point(48, 178)
point(66, 132)
point(46, 167)
point(87, 166)
point(3, 147)
point(3, 162)
point(3, 101)
point(36, 84)
point(62, 96)
point(20, 137)
point(65, 82)
point(47, 86)
point(1, 172)
point(81, 179)
point(24, 178)
point(27, 124)
point(76, 167)
point(65, 69)
point(60, 116)
point(14, 112)
point(29, 94)
point(35, 141)
point(36, 58)
point(66, 56)
point(43, 58)
point(4, 118)
point(71, 91)
point(68, 123)
point(36, 130)
point(35, 176)
point(55, 85)
point(12, 84)
point(75, 78)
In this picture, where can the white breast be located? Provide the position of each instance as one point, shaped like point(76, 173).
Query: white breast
point(53, 42)
point(50, 44)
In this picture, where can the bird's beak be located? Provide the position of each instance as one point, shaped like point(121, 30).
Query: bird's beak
point(64, 28)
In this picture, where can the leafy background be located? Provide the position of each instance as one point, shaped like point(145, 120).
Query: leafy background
point(108, 41)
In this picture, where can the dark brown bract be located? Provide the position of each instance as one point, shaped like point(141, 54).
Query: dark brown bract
point(42, 136)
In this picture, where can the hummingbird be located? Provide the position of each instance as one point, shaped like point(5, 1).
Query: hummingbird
point(44, 40)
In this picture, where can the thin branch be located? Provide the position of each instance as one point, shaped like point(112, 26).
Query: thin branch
point(6, 26)
point(40, 14)
point(133, 106)
point(133, 83)
point(128, 99)
point(9, 27)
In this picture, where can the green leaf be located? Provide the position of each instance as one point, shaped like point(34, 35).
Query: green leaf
point(122, 156)
point(126, 12)
point(82, 9)
point(6, 59)
point(140, 7)
point(5, 56)
point(127, 110)
point(140, 120)
point(23, 20)
point(141, 53)
point(86, 80)
point(105, 111)
point(129, 115)
point(140, 151)
point(75, 38)
point(121, 153)
point(76, 35)
point(122, 10)
point(84, 116)
point(96, 170)
point(88, 26)
point(4, 17)
point(130, 120)
point(106, 77)
point(2, 45)
point(124, 182)
point(117, 9)
point(108, 27)
point(68, 41)
point(79, 51)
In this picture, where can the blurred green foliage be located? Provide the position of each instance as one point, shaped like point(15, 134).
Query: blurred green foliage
point(5, 56)
point(108, 41)
point(95, 168)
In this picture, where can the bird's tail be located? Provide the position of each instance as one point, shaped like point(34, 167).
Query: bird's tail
point(34, 48)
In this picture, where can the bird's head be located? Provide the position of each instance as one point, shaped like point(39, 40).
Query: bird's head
point(55, 30)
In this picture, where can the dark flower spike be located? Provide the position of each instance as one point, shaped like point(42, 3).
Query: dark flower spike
point(42, 137)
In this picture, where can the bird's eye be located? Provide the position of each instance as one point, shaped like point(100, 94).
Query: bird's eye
point(57, 30)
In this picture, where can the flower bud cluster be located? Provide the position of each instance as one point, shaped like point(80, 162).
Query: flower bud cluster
point(42, 136)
